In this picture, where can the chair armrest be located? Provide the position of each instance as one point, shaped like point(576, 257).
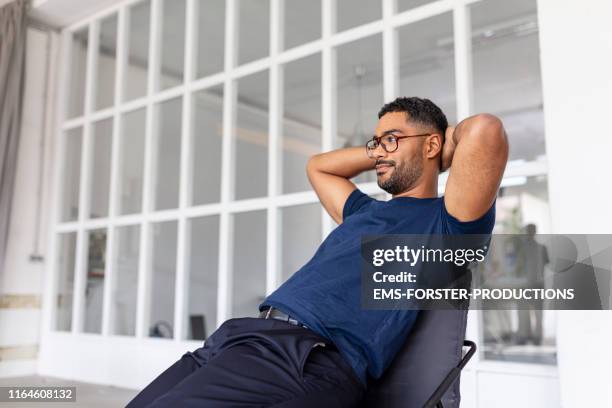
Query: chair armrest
point(435, 401)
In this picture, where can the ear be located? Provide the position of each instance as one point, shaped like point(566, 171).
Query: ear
point(433, 145)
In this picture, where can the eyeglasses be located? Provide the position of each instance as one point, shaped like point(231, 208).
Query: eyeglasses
point(390, 143)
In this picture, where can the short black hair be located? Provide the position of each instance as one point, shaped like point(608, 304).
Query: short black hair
point(419, 110)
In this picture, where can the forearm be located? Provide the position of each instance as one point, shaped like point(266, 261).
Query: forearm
point(347, 162)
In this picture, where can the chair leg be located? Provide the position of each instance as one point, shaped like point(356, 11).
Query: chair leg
point(435, 401)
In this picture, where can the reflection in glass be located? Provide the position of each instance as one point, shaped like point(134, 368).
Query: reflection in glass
point(94, 283)
point(125, 290)
point(163, 275)
point(352, 13)
point(168, 152)
point(253, 33)
point(301, 135)
point(101, 167)
point(210, 36)
point(72, 175)
point(207, 137)
point(137, 68)
point(301, 236)
point(302, 22)
point(172, 43)
point(427, 62)
point(131, 162)
point(66, 252)
point(78, 70)
point(107, 58)
point(203, 272)
point(507, 81)
point(520, 335)
point(249, 263)
point(360, 94)
point(251, 135)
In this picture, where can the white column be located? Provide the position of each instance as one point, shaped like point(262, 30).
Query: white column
point(275, 122)
point(329, 94)
point(226, 227)
point(576, 56)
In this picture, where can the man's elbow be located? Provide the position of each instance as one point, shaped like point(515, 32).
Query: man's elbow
point(312, 164)
point(491, 134)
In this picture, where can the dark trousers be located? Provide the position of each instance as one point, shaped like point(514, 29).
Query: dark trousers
point(253, 362)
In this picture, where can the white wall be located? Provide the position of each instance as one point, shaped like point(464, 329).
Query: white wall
point(22, 281)
point(576, 47)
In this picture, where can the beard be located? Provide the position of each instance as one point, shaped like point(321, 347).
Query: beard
point(403, 176)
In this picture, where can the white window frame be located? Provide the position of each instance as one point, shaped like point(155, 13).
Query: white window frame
point(55, 345)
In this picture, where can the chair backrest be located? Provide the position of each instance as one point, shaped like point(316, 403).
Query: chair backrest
point(432, 349)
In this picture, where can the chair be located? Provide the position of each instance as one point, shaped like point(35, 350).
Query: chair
point(426, 371)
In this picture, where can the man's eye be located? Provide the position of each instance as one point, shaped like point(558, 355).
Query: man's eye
point(389, 139)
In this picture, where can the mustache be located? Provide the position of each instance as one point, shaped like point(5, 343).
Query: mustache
point(390, 162)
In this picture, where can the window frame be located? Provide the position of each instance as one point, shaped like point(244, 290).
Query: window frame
point(272, 203)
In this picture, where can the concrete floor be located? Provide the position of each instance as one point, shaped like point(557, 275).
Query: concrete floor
point(87, 395)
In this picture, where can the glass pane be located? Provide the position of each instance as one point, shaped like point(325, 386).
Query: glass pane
point(403, 5)
point(168, 154)
point(301, 136)
point(249, 263)
point(253, 32)
point(72, 175)
point(302, 22)
point(131, 162)
point(427, 62)
point(521, 335)
point(107, 57)
point(521, 201)
point(207, 137)
point(301, 236)
point(252, 137)
point(172, 43)
point(163, 275)
point(203, 272)
point(360, 94)
point(210, 37)
point(507, 82)
point(136, 72)
point(94, 283)
point(125, 290)
point(66, 252)
point(78, 70)
point(352, 13)
point(102, 140)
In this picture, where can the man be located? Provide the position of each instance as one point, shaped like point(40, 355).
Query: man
point(532, 258)
point(313, 345)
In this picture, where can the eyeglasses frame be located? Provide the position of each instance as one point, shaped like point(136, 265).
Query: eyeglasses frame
point(378, 138)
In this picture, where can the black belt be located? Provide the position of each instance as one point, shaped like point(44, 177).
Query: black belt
point(274, 313)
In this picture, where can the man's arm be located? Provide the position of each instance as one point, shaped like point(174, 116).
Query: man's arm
point(329, 175)
point(477, 152)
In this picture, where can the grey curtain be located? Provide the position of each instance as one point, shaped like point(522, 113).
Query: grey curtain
point(12, 65)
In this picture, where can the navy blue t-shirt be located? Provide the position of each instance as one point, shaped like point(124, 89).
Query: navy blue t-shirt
point(325, 293)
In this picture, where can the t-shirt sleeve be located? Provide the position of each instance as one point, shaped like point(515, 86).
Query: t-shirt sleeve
point(482, 225)
point(355, 201)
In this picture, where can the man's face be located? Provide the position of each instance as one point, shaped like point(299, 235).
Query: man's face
point(399, 171)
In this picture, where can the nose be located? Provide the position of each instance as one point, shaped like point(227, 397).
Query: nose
point(379, 152)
